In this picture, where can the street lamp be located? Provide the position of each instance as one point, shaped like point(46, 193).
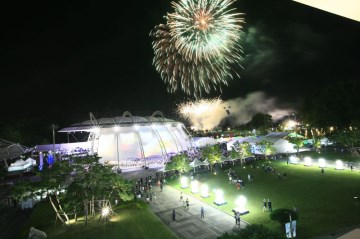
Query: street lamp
point(116, 129)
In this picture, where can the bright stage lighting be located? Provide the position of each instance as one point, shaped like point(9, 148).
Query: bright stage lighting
point(204, 191)
point(219, 197)
point(194, 186)
point(322, 163)
point(105, 211)
point(339, 165)
point(184, 182)
point(240, 205)
point(294, 160)
point(308, 161)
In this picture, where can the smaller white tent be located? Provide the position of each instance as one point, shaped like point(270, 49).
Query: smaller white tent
point(197, 163)
point(20, 164)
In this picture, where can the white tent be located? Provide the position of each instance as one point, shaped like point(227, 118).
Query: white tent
point(31, 161)
point(197, 163)
point(20, 164)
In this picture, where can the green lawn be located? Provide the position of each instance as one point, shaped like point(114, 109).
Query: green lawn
point(325, 202)
point(130, 221)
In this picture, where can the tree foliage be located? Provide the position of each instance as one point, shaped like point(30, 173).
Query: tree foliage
point(179, 162)
point(69, 185)
point(334, 105)
point(253, 231)
point(241, 150)
point(212, 153)
point(297, 141)
point(282, 215)
point(266, 148)
point(261, 122)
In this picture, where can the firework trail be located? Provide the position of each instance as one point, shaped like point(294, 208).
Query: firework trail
point(198, 48)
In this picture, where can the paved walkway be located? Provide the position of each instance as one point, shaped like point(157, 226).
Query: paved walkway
point(188, 223)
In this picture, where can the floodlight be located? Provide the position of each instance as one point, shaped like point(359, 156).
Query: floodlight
point(204, 191)
point(322, 163)
point(294, 160)
point(308, 161)
point(105, 211)
point(219, 197)
point(240, 205)
point(184, 182)
point(194, 186)
point(339, 165)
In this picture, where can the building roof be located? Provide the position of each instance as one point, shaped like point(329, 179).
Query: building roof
point(127, 119)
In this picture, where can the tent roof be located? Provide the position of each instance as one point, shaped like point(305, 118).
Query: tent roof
point(122, 121)
point(198, 162)
point(10, 150)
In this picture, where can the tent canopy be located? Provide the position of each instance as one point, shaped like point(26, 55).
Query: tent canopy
point(197, 163)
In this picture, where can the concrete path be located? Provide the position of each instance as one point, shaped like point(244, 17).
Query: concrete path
point(188, 223)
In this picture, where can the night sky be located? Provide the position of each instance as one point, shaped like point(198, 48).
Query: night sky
point(63, 59)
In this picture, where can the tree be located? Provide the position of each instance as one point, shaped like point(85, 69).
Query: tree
point(266, 148)
point(349, 138)
point(334, 105)
point(241, 150)
point(74, 185)
point(261, 122)
point(252, 231)
point(298, 141)
point(179, 162)
point(212, 153)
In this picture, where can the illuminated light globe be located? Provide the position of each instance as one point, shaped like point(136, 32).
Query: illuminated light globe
point(339, 165)
point(184, 182)
point(194, 186)
point(322, 163)
point(219, 197)
point(294, 160)
point(105, 211)
point(308, 161)
point(205, 191)
point(240, 205)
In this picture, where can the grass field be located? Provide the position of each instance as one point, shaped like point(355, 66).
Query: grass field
point(325, 201)
point(130, 221)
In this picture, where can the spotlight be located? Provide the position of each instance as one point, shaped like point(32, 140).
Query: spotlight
point(204, 191)
point(308, 161)
point(184, 182)
point(219, 197)
point(339, 165)
point(322, 163)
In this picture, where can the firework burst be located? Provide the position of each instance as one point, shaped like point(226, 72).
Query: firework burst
point(203, 114)
point(198, 47)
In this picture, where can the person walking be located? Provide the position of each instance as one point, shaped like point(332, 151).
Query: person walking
point(202, 212)
point(187, 204)
point(173, 215)
point(265, 205)
point(181, 196)
point(161, 187)
point(238, 218)
point(269, 205)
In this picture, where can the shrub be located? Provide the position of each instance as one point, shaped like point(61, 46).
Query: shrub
point(282, 215)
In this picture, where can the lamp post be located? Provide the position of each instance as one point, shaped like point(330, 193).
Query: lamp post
point(116, 128)
point(53, 134)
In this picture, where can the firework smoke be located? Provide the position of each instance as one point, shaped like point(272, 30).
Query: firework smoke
point(206, 114)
